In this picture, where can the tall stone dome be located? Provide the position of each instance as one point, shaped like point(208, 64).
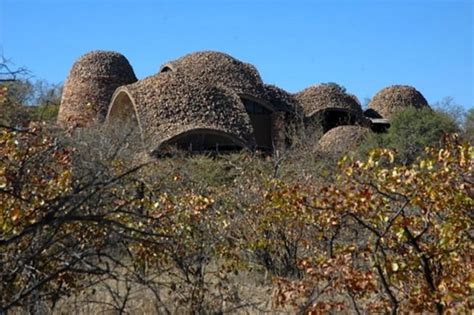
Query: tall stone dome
point(395, 98)
point(90, 85)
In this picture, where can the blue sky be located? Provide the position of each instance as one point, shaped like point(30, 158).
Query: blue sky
point(362, 45)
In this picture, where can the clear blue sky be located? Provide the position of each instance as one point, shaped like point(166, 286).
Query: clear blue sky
point(362, 45)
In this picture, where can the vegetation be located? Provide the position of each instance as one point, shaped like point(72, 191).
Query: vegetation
point(89, 224)
point(200, 234)
point(23, 101)
point(468, 128)
point(411, 130)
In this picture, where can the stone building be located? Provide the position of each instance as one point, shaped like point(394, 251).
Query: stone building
point(210, 101)
point(90, 85)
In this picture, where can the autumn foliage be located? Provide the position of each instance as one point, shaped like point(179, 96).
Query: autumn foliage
point(379, 237)
point(401, 236)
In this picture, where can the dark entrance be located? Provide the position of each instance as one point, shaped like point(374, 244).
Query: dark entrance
point(332, 118)
point(203, 140)
point(261, 119)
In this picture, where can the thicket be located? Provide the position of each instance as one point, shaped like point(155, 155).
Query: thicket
point(411, 130)
point(89, 225)
point(24, 101)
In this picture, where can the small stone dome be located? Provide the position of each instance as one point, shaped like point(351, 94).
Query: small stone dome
point(168, 105)
point(342, 139)
point(395, 98)
point(327, 96)
point(217, 68)
point(89, 87)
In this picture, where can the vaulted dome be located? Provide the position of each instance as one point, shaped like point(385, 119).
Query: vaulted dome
point(90, 85)
point(395, 98)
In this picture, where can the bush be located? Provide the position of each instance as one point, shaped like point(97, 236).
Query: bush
point(86, 223)
point(412, 130)
point(468, 128)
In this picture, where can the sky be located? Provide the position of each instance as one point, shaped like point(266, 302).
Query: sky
point(363, 45)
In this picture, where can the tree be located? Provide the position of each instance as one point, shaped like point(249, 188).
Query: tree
point(449, 107)
point(413, 249)
point(411, 130)
point(83, 212)
point(56, 227)
point(468, 128)
point(68, 222)
point(22, 101)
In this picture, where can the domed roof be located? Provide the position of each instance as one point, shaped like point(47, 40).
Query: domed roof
point(355, 98)
point(90, 85)
point(395, 98)
point(281, 100)
point(168, 104)
point(342, 139)
point(327, 96)
point(217, 68)
point(103, 64)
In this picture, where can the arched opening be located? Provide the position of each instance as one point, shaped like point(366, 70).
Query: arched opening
point(262, 123)
point(202, 141)
point(332, 118)
point(166, 68)
point(122, 110)
point(371, 113)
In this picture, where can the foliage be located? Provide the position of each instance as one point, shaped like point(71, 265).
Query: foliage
point(450, 108)
point(12, 113)
point(414, 246)
point(50, 236)
point(84, 210)
point(22, 101)
point(411, 130)
point(468, 127)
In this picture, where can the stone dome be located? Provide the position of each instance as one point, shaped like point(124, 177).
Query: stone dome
point(217, 68)
point(395, 98)
point(90, 85)
point(321, 97)
point(168, 105)
point(342, 139)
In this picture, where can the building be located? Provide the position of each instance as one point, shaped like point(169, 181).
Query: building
point(210, 101)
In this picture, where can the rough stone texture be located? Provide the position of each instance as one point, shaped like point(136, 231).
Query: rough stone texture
point(321, 97)
point(90, 85)
point(355, 98)
point(281, 100)
point(288, 116)
point(218, 69)
point(342, 139)
point(169, 103)
point(205, 92)
point(395, 98)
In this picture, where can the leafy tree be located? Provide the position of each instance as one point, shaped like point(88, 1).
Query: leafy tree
point(68, 222)
point(55, 226)
point(22, 101)
point(82, 212)
point(45, 101)
point(449, 107)
point(411, 130)
point(413, 249)
point(468, 128)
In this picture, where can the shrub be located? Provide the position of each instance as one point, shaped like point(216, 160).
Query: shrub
point(468, 128)
point(412, 130)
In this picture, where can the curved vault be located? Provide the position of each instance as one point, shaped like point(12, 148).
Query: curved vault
point(197, 139)
point(167, 107)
